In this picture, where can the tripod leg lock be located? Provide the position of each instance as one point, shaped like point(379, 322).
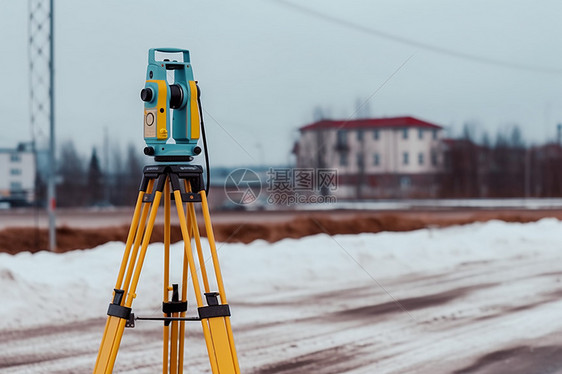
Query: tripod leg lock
point(213, 308)
point(119, 311)
point(116, 309)
point(174, 307)
point(213, 311)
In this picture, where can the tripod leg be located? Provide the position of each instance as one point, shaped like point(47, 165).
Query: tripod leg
point(129, 263)
point(216, 323)
point(174, 331)
point(194, 277)
point(174, 346)
point(178, 327)
point(182, 314)
point(130, 238)
point(125, 284)
point(195, 228)
point(132, 291)
point(184, 289)
point(214, 317)
point(166, 332)
point(118, 313)
point(105, 346)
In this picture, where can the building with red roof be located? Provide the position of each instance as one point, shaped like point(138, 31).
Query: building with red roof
point(375, 157)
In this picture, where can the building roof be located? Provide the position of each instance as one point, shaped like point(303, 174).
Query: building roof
point(24, 147)
point(370, 123)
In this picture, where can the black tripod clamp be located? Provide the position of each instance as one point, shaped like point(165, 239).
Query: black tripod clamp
point(193, 174)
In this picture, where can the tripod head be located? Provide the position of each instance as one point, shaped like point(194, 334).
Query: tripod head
point(181, 97)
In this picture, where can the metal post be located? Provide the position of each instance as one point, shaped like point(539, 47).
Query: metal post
point(52, 163)
point(42, 95)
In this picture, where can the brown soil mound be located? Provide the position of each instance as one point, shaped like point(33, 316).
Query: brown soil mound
point(14, 240)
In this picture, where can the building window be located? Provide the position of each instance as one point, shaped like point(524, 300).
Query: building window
point(15, 186)
point(15, 157)
point(405, 158)
point(420, 158)
point(360, 162)
point(405, 182)
point(405, 133)
point(342, 137)
point(420, 133)
point(377, 159)
point(15, 171)
point(376, 134)
point(434, 134)
point(433, 158)
point(360, 135)
point(343, 159)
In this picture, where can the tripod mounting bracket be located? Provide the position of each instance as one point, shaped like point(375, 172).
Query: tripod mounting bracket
point(193, 174)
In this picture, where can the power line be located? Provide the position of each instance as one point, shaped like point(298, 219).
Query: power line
point(415, 43)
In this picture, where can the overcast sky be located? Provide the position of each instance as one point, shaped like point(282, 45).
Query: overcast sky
point(265, 65)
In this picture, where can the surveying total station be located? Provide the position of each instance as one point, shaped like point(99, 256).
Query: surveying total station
point(171, 90)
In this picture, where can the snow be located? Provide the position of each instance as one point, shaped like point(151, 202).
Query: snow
point(53, 289)
point(52, 283)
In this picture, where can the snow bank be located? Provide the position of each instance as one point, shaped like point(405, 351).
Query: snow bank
point(45, 288)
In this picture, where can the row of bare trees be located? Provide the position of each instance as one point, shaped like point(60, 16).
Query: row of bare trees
point(85, 182)
point(506, 168)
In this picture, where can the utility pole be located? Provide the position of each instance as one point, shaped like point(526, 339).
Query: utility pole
point(42, 93)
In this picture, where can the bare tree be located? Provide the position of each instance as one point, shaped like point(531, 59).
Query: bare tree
point(95, 185)
point(71, 189)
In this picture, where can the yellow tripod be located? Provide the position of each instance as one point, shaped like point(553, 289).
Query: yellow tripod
point(186, 185)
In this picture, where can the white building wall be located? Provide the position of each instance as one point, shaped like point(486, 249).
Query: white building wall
point(390, 146)
point(4, 174)
point(413, 146)
point(17, 173)
point(385, 147)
